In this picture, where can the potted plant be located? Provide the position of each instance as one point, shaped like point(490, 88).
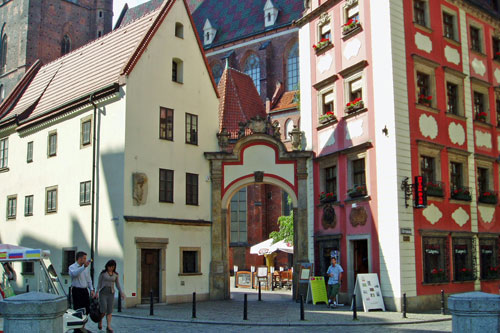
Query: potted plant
point(357, 191)
point(437, 275)
point(488, 197)
point(324, 42)
point(351, 25)
point(424, 100)
point(435, 189)
point(461, 193)
point(482, 116)
point(327, 197)
point(327, 117)
point(354, 105)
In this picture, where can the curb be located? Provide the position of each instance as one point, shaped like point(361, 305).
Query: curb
point(208, 322)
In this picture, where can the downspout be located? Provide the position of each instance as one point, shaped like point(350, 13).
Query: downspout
point(92, 219)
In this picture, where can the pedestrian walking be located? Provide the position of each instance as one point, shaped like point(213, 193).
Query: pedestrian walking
point(334, 281)
point(81, 283)
point(106, 292)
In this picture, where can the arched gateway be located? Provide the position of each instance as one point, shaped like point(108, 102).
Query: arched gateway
point(258, 158)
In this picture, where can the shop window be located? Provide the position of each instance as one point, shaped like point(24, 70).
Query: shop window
point(476, 39)
point(166, 124)
point(488, 255)
point(449, 25)
point(435, 255)
point(420, 15)
point(28, 205)
point(69, 257)
point(166, 193)
point(463, 259)
point(238, 209)
point(11, 207)
point(190, 260)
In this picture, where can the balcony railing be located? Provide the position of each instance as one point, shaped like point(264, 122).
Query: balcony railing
point(435, 189)
point(460, 193)
point(488, 197)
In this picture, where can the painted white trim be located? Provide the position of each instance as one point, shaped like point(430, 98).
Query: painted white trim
point(258, 40)
point(305, 85)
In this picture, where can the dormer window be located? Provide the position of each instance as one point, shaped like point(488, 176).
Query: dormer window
point(208, 32)
point(270, 14)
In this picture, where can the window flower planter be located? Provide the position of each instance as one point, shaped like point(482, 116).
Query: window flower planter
point(496, 56)
point(322, 44)
point(435, 189)
point(461, 193)
point(357, 191)
point(465, 274)
point(327, 197)
point(355, 105)
point(488, 197)
point(437, 276)
point(425, 100)
point(327, 117)
point(350, 26)
point(481, 116)
point(491, 273)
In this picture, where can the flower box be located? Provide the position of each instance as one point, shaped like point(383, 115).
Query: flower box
point(357, 191)
point(322, 44)
point(461, 193)
point(327, 197)
point(482, 116)
point(354, 105)
point(350, 26)
point(491, 273)
point(435, 189)
point(437, 276)
point(488, 197)
point(496, 56)
point(327, 117)
point(425, 100)
point(465, 274)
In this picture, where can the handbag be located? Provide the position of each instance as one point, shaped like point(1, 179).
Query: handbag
point(95, 311)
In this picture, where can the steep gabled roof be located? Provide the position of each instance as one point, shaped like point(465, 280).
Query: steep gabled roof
point(286, 101)
point(239, 100)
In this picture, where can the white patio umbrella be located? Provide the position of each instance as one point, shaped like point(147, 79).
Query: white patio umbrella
point(267, 247)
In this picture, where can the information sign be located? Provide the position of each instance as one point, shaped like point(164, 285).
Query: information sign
point(368, 287)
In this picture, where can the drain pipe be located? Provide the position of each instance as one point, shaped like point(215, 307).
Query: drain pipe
point(92, 219)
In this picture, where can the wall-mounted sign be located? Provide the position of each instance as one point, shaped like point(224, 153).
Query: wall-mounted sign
point(420, 192)
point(405, 231)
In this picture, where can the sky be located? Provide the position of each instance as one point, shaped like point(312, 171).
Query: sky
point(118, 6)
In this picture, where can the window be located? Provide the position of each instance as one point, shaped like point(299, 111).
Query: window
point(85, 193)
point(449, 25)
point(424, 90)
point(28, 205)
point(3, 54)
point(454, 85)
point(475, 39)
point(355, 89)
point(190, 260)
point(51, 200)
point(65, 45)
point(166, 124)
point(325, 32)
point(496, 48)
point(166, 185)
point(239, 217)
point(11, 207)
point(331, 181)
point(217, 71)
point(479, 107)
point(456, 176)
point(191, 189)
point(191, 129)
point(179, 30)
point(69, 257)
point(482, 179)
point(326, 103)
point(420, 12)
point(177, 67)
point(52, 145)
point(292, 68)
point(4, 152)
point(28, 268)
point(358, 172)
point(100, 13)
point(435, 255)
point(488, 255)
point(351, 17)
point(428, 168)
point(458, 190)
point(29, 152)
point(86, 132)
point(252, 69)
point(497, 103)
point(286, 204)
point(463, 269)
point(452, 95)
point(288, 129)
point(425, 81)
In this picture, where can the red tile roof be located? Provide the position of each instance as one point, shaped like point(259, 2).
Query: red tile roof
point(239, 100)
point(286, 101)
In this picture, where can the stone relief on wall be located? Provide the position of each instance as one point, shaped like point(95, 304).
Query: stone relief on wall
point(352, 48)
point(354, 129)
point(358, 216)
point(140, 194)
point(460, 216)
point(428, 126)
point(456, 133)
point(432, 214)
point(478, 67)
point(423, 42)
point(483, 139)
point(486, 213)
point(329, 219)
point(324, 63)
point(452, 55)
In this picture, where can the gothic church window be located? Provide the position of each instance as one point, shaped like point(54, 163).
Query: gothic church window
point(292, 67)
point(3, 54)
point(252, 68)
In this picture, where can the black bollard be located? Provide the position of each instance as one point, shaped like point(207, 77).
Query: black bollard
point(27, 288)
point(70, 300)
point(302, 307)
point(119, 302)
point(260, 297)
point(245, 308)
point(442, 302)
point(194, 305)
point(354, 308)
point(151, 312)
point(404, 305)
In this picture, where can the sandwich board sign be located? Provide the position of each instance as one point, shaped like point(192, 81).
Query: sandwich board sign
point(367, 289)
point(317, 290)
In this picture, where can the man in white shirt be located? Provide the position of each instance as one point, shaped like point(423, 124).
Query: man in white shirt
point(81, 282)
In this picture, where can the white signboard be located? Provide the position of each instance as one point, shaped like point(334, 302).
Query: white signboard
point(368, 287)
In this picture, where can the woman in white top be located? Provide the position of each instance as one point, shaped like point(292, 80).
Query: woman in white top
point(106, 291)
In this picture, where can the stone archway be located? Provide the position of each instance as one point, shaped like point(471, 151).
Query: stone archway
point(258, 158)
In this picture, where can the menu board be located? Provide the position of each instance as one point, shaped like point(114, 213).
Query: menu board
point(244, 279)
point(317, 290)
point(368, 287)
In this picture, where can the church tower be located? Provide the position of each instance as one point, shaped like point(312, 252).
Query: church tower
point(46, 30)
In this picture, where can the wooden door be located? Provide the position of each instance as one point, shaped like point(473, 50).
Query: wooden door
point(150, 275)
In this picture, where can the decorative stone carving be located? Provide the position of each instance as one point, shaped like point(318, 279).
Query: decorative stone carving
point(478, 67)
point(452, 55)
point(352, 48)
point(324, 63)
point(329, 219)
point(140, 194)
point(259, 176)
point(258, 124)
point(296, 136)
point(358, 216)
point(483, 139)
point(428, 126)
point(223, 138)
point(276, 131)
point(354, 129)
point(324, 18)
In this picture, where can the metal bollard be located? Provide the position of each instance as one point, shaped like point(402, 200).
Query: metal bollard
point(404, 305)
point(302, 307)
point(151, 312)
point(27, 288)
point(442, 302)
point(260, 293)
point(119, 302)
point(245, 308)
point(70, 300)
point(354, 308)
point(194, 305)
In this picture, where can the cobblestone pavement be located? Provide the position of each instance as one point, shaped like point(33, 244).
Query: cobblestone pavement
point(276, 308)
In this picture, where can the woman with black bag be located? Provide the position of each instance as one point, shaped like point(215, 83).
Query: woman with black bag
point(106, 292)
